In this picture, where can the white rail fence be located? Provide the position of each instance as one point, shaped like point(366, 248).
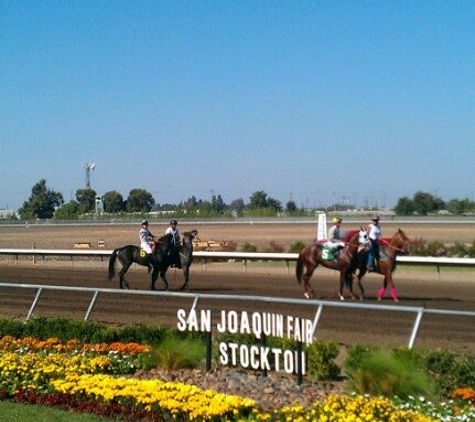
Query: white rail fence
point(245, 257)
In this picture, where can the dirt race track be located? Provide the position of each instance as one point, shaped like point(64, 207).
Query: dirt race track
point(452, 290)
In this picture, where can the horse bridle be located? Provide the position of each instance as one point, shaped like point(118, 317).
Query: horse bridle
point(398, 249)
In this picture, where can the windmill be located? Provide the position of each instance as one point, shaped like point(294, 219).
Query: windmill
point(89, 169)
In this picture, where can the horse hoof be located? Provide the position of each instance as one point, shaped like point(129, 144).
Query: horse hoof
point(306, 296)
point(342, 298)
point(396, 300)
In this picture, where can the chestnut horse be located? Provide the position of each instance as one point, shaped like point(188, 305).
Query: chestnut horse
point(311, 256)
point(386, 264)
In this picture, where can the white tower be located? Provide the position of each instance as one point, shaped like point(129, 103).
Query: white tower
point(89, 169)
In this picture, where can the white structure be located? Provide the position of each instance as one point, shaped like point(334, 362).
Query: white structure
point(89, 169)
point(322, 226)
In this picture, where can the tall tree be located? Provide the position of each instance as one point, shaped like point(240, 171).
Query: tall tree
point(258, 200)
point(426, 203)
point(291, 207)
point(274, 204)
point(113, 202)
point(42, 202)
point(460, 206)
point(218, 204)
point(69, 211)
point(86, 199)
point(238, 206)
point(404, 206)
point(140, 200)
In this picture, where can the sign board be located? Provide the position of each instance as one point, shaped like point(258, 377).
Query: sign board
point(322, 226)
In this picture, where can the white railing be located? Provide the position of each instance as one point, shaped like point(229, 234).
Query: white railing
point(244, 256)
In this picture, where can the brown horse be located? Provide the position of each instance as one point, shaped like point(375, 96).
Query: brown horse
point(312, 255)
point(386, 264)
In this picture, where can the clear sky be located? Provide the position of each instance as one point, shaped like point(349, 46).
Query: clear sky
point(314, 101)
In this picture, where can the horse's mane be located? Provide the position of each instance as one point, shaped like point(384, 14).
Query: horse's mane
point(349, 235)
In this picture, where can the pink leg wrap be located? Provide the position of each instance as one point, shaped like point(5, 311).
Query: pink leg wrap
point(381, 292)
point(393, 293)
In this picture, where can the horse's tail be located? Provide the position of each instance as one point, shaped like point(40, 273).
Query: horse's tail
point(299, 270)
point(112, 263)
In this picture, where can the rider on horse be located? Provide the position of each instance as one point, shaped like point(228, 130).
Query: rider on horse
point(374, 233)
point(174, 255)
point(334, 236)
point(146, 237)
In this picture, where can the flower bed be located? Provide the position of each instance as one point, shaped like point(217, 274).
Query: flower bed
point(96, 378)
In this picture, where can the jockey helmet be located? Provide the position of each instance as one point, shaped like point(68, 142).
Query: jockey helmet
point(144, 222)
point(375, 218)
point(174, 222)
point(336, 220)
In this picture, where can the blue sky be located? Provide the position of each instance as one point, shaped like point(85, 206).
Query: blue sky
point(315, 101)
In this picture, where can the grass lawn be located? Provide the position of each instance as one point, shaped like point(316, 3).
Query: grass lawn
point(15, 412)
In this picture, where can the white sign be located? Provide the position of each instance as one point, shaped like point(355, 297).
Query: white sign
point(258, 324)
point(322, 227)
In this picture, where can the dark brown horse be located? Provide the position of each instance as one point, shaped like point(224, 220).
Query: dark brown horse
point(386, 264)
point(129, 254)
point(183, 260)
point(312, 255)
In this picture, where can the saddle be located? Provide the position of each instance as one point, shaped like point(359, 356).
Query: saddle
point(329, 252)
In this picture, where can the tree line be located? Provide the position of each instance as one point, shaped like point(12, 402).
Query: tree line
point(45, 203)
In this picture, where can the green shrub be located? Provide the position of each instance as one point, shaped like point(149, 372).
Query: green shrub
point(448, 370)
point(355, 355)
point(274, 247)
point(418, 246)
point(174, 353)
point(435, 248)
point(321, 357)
point(248, 247)
point(145, 334)
point(11, 327)
point(386, 374)
point(296, 247)
point(85, 331)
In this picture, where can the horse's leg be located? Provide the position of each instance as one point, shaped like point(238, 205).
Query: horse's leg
point(359, 276)
point(346, 278)
point(186, 274)
point(164, 278)
point(308, 290)
point(124, 284)
point(382, 290)
point(392, 287)
point(153, 277)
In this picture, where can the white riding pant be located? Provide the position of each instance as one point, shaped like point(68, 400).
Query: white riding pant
point(335, 244)
point(146, 247)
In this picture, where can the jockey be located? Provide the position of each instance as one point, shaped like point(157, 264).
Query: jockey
point(374, 233)
point(175, 247)
point(334, 236)
point(146, 237)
